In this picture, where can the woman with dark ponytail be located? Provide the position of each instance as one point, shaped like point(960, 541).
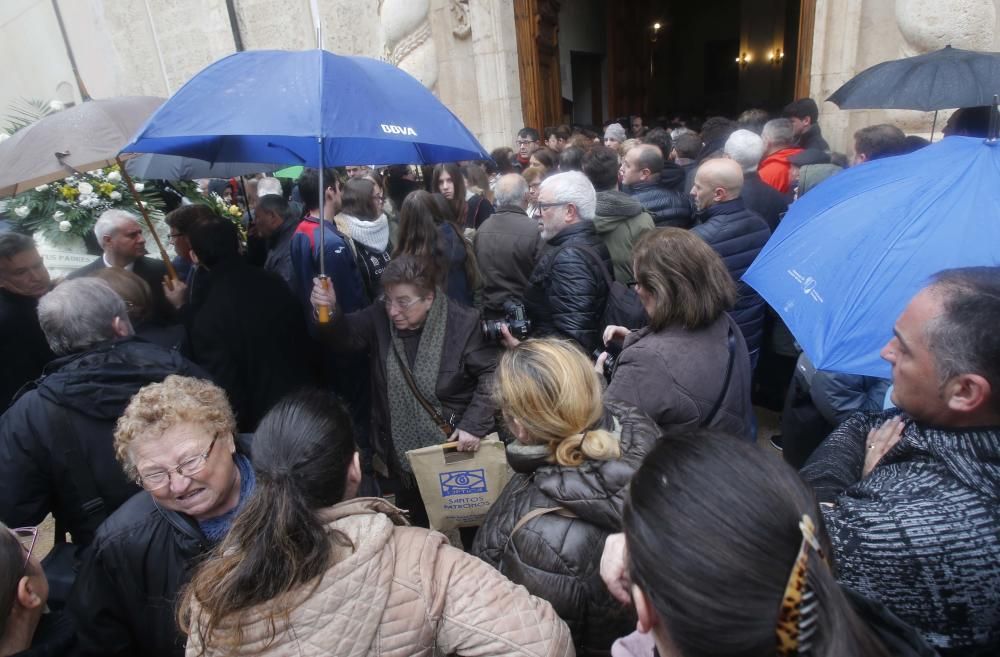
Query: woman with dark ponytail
point(726, 555)
point(307, 570)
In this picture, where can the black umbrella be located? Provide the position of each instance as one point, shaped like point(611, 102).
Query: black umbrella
point(943, 79)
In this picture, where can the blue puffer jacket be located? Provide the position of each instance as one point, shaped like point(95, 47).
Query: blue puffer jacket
point(738, 235)
point(665, 199)
point(566, 292)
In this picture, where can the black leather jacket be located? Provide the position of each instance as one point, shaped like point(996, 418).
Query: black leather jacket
point(566, 293)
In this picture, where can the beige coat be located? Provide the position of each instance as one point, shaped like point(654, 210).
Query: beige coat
point(403, 591)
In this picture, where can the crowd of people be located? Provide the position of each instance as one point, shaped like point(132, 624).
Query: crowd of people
point(224, 450)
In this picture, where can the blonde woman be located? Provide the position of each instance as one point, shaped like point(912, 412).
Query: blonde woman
point(573, 459)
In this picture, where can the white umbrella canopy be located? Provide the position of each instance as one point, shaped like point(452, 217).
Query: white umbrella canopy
point(84, 137)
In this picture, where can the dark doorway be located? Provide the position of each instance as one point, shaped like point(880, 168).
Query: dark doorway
point(693, 62)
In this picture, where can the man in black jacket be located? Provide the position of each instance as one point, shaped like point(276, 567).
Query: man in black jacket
point(737, 235)
point(56, 452)
point(567, 290)
point(746, 148)
point(804, 115)
point(507, 246)
point(124, 246)
point(23, 280)
point(658, 185)
point(247, 329)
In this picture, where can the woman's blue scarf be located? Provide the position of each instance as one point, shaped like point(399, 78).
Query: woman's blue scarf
point(215, 529)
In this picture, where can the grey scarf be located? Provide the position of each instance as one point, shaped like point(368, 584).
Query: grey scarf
point(411, 425)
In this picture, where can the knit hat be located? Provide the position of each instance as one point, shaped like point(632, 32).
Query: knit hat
point(615, 131)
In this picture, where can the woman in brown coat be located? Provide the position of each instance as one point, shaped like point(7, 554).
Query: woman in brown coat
point(417, 334)
point(307, 571)
point(689, 368)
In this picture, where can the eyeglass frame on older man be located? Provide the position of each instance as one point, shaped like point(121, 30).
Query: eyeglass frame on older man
point(33, 532)
point(197, 462)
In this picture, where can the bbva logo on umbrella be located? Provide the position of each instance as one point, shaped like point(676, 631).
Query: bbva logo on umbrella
point(390, 129)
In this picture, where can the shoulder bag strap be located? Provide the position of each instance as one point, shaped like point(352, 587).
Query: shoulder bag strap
point(92, 507)
point(725, 385)
point(600, 263)
point(535, 513)
point(443, 425)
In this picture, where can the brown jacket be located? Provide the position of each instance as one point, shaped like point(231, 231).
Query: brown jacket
point(465, 378)
point(400, 591)
point(507, 246)
point(675, 376)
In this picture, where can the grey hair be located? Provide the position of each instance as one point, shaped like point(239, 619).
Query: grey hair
point(109, 222)
point(512, 189)
point(269, 187)
point(12, 244)
point(573, 187)
point(778, 132)
point(79, 314)
point(745, 147)
point(964, 338)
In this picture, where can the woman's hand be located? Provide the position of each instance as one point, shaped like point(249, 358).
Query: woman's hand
point(322, 295)
point(466, 441)
point(599, 365)
point(508, 340)
point(614, 570)
point(613, 333)
point(880, 441)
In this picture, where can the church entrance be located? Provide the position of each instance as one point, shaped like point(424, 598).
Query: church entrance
point(590, 61)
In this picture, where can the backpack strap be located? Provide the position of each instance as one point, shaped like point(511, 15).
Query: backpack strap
point(92, 508)
point(725, 384)
point(535, 513)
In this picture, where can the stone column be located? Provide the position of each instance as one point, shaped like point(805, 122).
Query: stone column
point(494, 46)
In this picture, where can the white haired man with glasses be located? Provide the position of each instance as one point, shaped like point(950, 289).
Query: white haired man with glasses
point(567, 291)
point(177, 440)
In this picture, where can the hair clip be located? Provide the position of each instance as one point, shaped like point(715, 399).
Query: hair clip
point(797, 619)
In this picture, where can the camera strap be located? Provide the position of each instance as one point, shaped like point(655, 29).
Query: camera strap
point(725, 384)
point(443, 424)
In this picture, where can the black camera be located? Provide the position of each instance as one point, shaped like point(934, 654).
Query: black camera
point(614, 350)
point(515, 319)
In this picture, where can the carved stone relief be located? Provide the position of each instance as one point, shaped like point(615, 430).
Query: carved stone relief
point(406, 30)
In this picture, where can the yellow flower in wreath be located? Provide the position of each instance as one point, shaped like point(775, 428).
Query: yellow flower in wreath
point(106, 188)
point(69, 193)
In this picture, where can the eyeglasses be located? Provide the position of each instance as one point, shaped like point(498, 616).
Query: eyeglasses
point(525, 142)
point(187, 468)
point(26, 536)
point(172, 237)
point(402, 304)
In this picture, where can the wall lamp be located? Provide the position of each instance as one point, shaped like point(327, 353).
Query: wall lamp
point(744, 59)
point(656, 31)
point(776, 56)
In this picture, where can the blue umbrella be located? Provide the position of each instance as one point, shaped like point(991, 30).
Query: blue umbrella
point(850, 254)
point(309, 108)
point(278, 106)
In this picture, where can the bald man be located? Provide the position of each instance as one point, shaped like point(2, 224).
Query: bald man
point(737, 235)
point(506, 246)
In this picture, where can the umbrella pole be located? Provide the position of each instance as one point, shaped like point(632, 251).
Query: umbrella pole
point(171, 272)
point(933, 125)
point(322, 312)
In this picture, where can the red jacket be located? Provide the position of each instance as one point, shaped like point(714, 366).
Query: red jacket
point(774, 169)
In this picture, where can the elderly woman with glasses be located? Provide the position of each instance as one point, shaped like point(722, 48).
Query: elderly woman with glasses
point(431, 370)
point(27, 627)
point(177, 440)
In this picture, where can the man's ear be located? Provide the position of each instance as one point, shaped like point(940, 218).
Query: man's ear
point(28, 595)
point(121, 328)
point(967, 393)
point(194, 257)
point(644, 611)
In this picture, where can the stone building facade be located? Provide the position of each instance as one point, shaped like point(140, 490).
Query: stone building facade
point(491, 61)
